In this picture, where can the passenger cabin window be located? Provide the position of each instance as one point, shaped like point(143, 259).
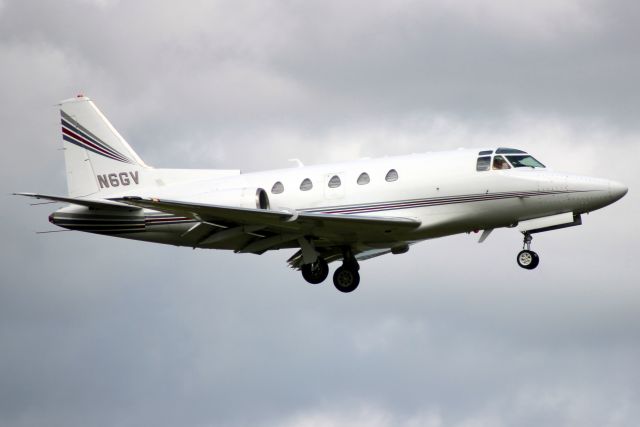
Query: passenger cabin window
point(277, 188)
point(392, 175)
point(306, 185)
point(334, 182)
point(483, 163)
point(524, 161)
point(500, 163)
point(363, 178)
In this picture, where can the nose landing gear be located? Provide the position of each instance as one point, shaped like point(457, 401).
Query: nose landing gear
point(527, 258)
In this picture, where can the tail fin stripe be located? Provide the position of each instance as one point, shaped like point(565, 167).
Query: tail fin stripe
point(81, 142)
point(89, 138)
point(86, 137)
point(81, 145)
point(101, 147)
point(84, 143)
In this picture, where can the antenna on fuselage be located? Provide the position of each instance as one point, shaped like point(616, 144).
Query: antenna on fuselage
point(297, 161)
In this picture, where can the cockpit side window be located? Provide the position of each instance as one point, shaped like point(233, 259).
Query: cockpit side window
point(483, 163)
point(524, 161)
point(500, 163)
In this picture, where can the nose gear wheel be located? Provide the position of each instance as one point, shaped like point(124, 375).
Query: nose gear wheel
point(527, 258)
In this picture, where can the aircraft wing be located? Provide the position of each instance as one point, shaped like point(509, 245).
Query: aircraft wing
point(331, 229)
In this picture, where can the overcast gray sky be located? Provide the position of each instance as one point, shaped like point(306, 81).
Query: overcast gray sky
point(102, 332)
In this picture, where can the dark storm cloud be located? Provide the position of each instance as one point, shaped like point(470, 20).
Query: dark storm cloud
point(97, 331)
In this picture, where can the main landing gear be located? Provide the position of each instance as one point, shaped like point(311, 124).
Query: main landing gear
point(527, 258)
point(346, 277)
point(316, 272)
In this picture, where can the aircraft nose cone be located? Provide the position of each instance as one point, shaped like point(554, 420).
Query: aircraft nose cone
point(617, 190)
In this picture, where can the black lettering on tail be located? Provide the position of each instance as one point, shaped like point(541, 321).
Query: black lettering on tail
point(102, 180)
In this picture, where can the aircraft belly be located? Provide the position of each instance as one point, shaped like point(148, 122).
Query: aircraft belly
point(549, 204)
point(439, 221)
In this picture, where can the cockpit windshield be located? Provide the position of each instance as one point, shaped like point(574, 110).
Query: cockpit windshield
point(524, 161)
point(505, 158)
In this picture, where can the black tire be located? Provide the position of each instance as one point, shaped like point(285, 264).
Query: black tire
point(536, 261)
point(346, 279)
point(317, 272)
point(528, 259)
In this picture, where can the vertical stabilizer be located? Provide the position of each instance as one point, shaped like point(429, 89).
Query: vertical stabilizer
point(97, 157)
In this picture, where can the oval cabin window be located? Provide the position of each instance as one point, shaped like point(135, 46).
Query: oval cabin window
point(277, 188)
point(306, 185)
point(392, 175)
point(334, 182)
point(363, 178)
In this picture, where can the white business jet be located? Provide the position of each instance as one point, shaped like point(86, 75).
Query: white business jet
point(345, 212)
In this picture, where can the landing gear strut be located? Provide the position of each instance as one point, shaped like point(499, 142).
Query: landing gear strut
point(527, 258)
point(346, 278)
point(315, 272)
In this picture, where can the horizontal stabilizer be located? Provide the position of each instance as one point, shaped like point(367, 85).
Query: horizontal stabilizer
point(95, 204)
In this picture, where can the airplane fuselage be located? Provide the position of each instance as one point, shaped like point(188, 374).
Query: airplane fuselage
point(443, 191)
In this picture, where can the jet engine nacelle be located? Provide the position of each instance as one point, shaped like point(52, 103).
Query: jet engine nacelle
point(254, 198)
